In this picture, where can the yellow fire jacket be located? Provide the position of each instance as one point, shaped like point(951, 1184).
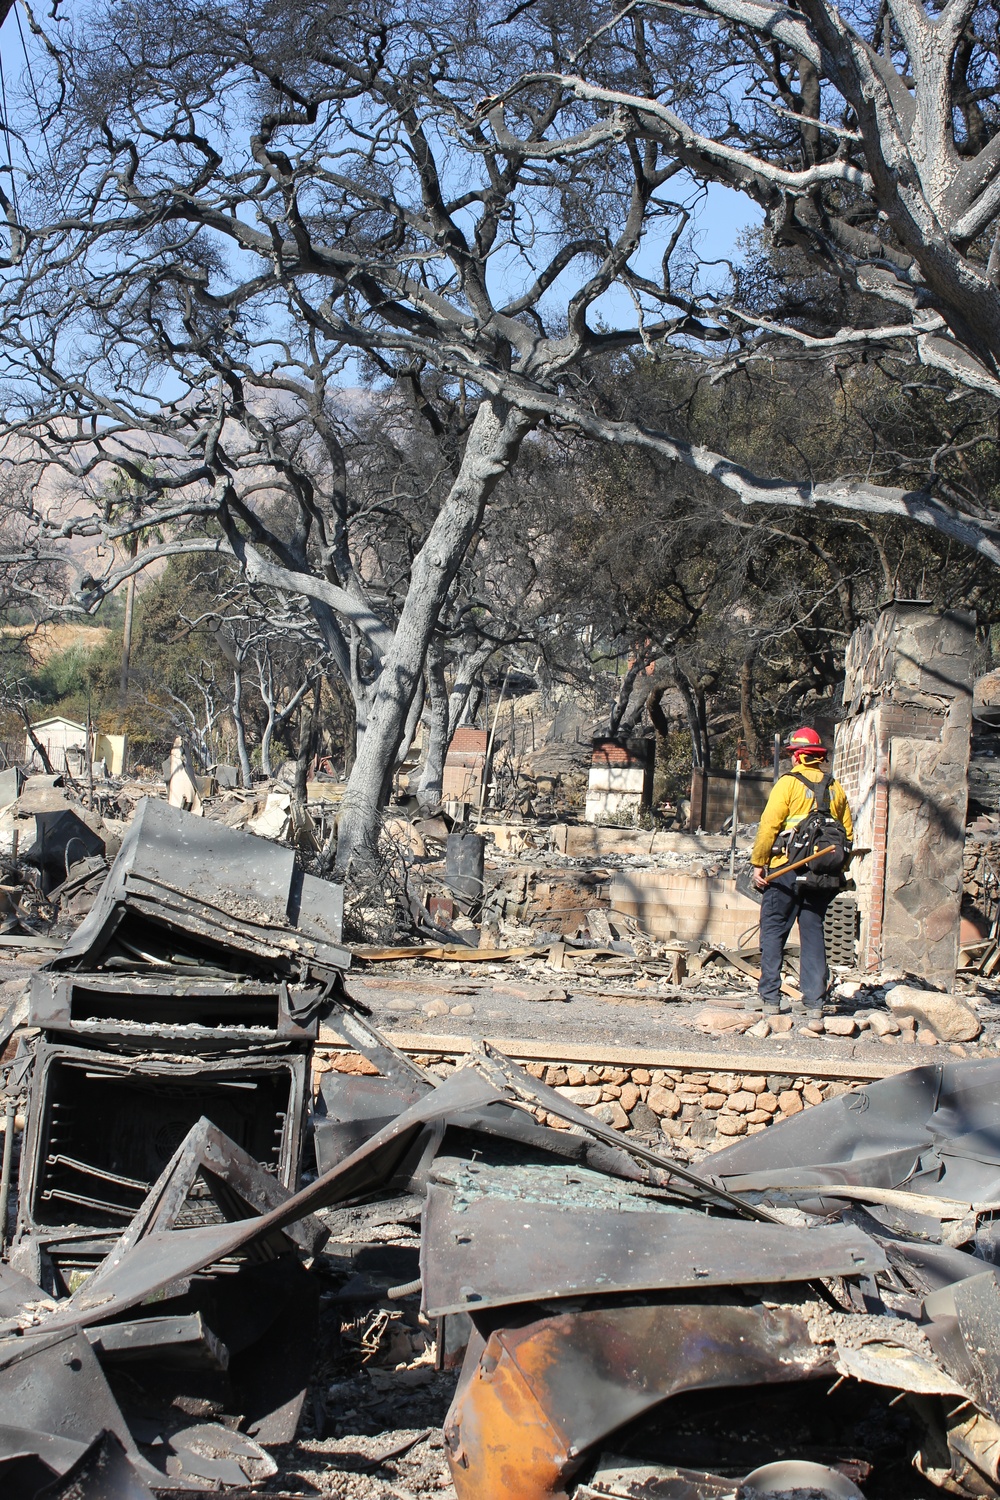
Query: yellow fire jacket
point(787, 805)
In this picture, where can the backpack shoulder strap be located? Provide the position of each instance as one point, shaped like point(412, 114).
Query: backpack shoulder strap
point(819, 791)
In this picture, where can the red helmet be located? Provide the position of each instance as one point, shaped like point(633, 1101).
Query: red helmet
point(805, 741)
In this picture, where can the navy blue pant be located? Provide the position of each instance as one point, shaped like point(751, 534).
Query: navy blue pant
point(785, 902)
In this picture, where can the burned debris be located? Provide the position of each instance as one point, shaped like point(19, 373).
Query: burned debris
point(814, 1308)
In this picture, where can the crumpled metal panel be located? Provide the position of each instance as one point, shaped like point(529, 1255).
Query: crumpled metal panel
point(934, 1129)
point(492, 1252)
point(133, 1272)
point(230, 888)
point(964, 1330)
point(533, 1400)
point(54, 1385)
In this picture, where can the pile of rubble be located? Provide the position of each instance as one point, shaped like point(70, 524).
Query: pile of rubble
point(817, 1307)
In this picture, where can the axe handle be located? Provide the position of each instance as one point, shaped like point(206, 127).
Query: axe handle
point(818, 854)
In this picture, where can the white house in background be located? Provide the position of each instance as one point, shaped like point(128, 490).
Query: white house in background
point(65, 744)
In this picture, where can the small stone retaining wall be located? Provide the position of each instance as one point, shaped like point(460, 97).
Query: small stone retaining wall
point(691, 1106)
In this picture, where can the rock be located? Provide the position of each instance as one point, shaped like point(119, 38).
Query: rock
point(610, 1091)
point(840, 1026)
point(463, 1010)
point(755, 1085)
point(584, 1096)
point(742, 1101)
point(848, 988)
point(615, 1075)
point(576, 1076)
point(768, 1102)
point(641, 1118)
point(926, 1037)
point(701, 1131)
point(556, 1076)
point(947, 1016)
point(353, 1062)
point(663, 1101)
point(732, 1125)
point(761, 1029)
point(723, 1083)
point(883, 1025)
point(713, 1101)
point(710, 1019)
point(777, 1083)
point(811, 1094)
point(399, 1007)
point(629, 1097)
point(641, 1075)
point(789, 1102)
point(758, 1117)
point(610, 1114)
point(781, 1023)
point(756, 1129)
point(814, 1026)
point(436, 1008)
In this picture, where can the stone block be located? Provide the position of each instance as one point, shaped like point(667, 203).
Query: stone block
point(713, 1101)
point(610, 1114)
point(947, 1016)
point(663, 1101)
point(641, 1118)
point(732, 1125)
point(811, 1094)
point(840, 1026)
point(554, 1077)
point(724, 1083)
point(576, 1076)
point(712, 1019)
point(789, 1102)
point(754, 1085)
point(584, 1095)
point(767, 1101)
point(629, 1097)
point(742, 1101)
point(758, 1117)
point(641, 1075)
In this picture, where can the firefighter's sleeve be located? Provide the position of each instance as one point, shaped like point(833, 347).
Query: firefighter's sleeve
point(840, 807)
point(772, 821)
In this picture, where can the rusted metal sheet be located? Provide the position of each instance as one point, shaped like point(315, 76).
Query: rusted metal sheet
point(540, 1394)
point(494, 1252)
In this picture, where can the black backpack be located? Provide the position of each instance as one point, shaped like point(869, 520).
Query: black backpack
point(819, 830)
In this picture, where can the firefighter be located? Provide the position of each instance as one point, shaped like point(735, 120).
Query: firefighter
point(797, 895)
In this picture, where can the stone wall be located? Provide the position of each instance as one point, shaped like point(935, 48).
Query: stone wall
point(692, 1107)
point(902, 755)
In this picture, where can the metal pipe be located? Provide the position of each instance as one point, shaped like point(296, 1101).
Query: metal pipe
point(736, 814)
point(8, 1157)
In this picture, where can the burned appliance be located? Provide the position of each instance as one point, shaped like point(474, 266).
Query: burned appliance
point(192, 992)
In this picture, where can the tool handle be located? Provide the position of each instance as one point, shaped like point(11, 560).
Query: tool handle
point(817, 854)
